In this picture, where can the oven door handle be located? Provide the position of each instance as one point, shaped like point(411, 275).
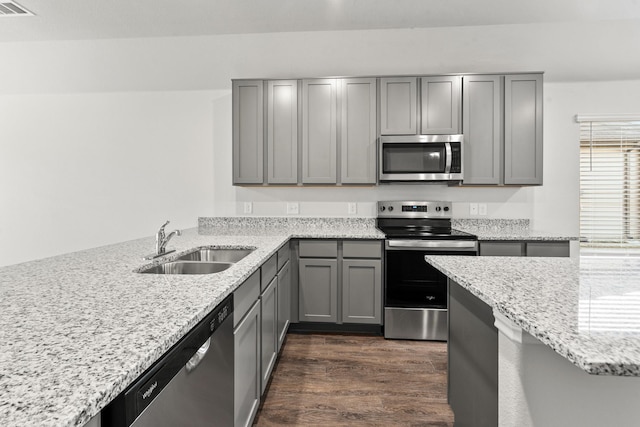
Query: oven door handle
point(439, 245)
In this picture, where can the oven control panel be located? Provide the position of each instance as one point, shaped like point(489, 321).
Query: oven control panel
point(414, 209)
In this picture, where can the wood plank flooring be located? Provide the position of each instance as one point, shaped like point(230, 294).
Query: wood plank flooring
point(357, 380)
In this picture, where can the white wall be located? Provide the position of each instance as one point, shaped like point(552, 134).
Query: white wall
point(83, 170)
point(101, 141)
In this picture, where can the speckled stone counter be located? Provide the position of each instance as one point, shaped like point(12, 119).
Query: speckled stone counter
point(76, 329)
point(506, 229)
point(586, 309)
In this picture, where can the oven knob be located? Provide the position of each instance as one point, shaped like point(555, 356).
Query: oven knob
point(382, 208)
point(390, 208)
point(446, 208)
point(438, 208)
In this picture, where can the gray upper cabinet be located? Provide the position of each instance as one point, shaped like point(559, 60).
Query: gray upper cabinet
point(398, 106)
point(319, 131)
point(248, 132)
point(358, 131)
point(440, 105)
point(502, 126)
point(282, 131)
point(482, 125)
point(523, 129)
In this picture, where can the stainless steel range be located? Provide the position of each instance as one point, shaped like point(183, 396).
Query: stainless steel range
point(416, 293)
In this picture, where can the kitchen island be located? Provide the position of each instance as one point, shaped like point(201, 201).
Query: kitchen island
point(568, 347)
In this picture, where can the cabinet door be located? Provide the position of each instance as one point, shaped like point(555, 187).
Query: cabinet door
point(319, 131)
point(398, 106)
point(282, 132)
point(362, 291)
point(248, 132)
point(268, 331)
point(318, 290)
point(514, 248)
point(482, 128)
point(523, 130)
point(358, 131)
point(440, 102)
point(247, 368)
point(284, 302)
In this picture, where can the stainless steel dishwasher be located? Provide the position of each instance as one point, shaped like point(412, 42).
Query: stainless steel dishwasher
point(190, 386)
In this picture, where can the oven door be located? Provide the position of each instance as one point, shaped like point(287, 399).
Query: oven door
point(416, 293)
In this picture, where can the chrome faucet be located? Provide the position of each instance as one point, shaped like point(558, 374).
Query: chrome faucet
point(161, 242)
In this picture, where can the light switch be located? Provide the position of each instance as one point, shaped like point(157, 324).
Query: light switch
point(248, 207)
point(473, 209)
point(482, 209)
point(293, 208)
point(352, 208)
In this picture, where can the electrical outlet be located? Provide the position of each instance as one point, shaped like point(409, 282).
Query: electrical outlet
point(248, 207)
point(293, 208)
point(473, 209)
point(482, 209)
point(352, 208)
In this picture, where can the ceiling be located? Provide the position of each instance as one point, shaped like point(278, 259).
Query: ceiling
point(100, 19)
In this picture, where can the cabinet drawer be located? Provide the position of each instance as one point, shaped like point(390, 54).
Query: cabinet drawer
point(501, 249)
point(362, 249)
point(318, 248)
point(548, 249)
point(284, 253)
point(269, 270)
point(245, 296)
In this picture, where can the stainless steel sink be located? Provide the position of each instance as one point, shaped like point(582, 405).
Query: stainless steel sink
point(188, 267)
point(218, 255)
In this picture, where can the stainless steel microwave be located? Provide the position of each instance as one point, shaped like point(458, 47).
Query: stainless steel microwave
point(420, 158)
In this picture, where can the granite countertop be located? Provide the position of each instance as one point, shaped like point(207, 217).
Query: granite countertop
point(491, 229)
point(586, 309)
point(77, 329)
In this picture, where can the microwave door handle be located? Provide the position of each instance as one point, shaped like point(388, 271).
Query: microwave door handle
point(447, 166)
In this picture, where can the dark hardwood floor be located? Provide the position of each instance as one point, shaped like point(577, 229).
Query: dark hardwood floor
point(357, 380)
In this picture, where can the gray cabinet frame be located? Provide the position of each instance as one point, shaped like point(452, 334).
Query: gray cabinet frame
point(282, 132)
point(318, 290)
point(362, 291)
point(398, 106)
point(440, 105)
point(247, 387)
point(248, 132)
point(523, 129)
point(319, 131)
point(358, 131)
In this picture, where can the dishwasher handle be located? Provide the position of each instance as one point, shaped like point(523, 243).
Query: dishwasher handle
point(195, 360)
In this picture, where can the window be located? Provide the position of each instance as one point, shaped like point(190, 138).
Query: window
point(610, 183)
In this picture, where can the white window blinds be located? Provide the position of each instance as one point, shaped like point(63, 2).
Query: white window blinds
point(610, 184)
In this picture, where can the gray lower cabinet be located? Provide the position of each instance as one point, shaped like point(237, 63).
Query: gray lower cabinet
point(358, 131)
point(319, 131)
point(340, 281)
point(362, 291)
point(284, 301)
point(472, 359)
point(248, 132)
point(318, 290)
point(502, 126)
point(268, 331)
point(525, 248)
point(247, 385)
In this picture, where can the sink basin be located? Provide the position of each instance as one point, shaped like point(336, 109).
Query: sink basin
point(218, 255)
point(188, 267)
